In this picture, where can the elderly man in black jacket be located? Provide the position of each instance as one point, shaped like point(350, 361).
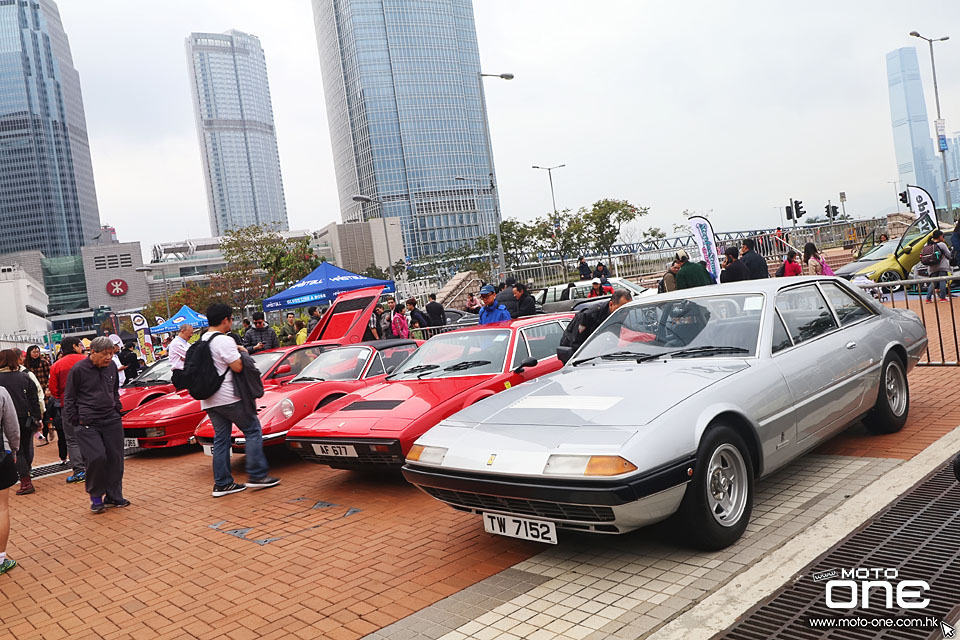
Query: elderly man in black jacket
point(91, 403)
point(526, 305)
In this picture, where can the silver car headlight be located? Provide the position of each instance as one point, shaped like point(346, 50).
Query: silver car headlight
point(286, 407)
point(426, 455)
point(570, 465)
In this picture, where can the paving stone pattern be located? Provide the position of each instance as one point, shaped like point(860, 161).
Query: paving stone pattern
point(599, 587)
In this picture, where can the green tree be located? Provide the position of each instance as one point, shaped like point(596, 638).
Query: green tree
point(566, 234)
point(288, 261)
point(653, 233)
point(244, 281)
point(606, 218)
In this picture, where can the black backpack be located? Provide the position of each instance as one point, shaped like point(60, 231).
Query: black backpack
point(781, 271)
point(200, 375)
point(931, 254)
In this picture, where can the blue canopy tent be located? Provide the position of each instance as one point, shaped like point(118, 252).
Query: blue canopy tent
point(323, 285)
point(186, 315)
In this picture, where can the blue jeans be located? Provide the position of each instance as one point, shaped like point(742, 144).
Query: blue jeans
point(943, 292)
point(223, 419)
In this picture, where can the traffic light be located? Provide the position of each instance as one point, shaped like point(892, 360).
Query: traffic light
point(798, 209)
point(834, 212)
point(789, 212)
point(904, 199)
point(827, 209)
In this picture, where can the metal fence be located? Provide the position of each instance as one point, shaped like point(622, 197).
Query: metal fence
point(939, 318)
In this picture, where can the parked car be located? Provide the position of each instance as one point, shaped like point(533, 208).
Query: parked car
point(566, 297)
point(153, 383)
point(331, 375)
point(375, 427)
point(892, 260)
point(672, 408)
point(172, 420)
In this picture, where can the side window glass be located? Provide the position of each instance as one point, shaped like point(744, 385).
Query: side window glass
point(781, 340)
point(301, 358)
point(805, 313)
point(376, 367)
point(522, 352)
point(394, 357)
point(543, 340)
point(848, 308)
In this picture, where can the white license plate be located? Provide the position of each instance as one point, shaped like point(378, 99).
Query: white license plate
point(536, 530)
point(208, 450)
point(336, 450)
point(130, 443)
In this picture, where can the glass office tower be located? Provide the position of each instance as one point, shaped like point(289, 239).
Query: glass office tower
point(912, 142)
point(47, 197)
point(401, 82)
point(238, 142)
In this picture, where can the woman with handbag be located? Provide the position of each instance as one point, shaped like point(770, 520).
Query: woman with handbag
point(23, 392)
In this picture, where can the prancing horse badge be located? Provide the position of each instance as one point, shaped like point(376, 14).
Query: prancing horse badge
point(490, 460)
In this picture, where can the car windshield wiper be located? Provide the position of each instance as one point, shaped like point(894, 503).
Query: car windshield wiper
point(466, 364)
point(417, 369)
point(694, 352)
point(308, 378)
point(622, 355)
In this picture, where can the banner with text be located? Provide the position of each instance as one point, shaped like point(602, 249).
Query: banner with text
point(141, 327)
point(921, 203)
point(706, 241)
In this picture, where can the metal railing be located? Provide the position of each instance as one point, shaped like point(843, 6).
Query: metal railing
point(939, 318)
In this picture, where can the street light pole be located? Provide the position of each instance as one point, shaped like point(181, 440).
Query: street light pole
point(365, 200)
point(896, 192)
point(486, 135)
point(936, 95)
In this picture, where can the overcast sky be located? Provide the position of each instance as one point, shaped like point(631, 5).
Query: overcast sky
point(729, 106)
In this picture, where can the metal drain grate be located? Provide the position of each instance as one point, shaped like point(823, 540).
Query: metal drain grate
point(918, 535)
point(50, 469)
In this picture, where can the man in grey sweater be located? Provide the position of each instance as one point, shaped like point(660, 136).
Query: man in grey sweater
point(941, 269)
point(10, 441)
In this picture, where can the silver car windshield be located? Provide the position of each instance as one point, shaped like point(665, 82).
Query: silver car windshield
point(727, 325)
point(458, 353)
point(346, 363)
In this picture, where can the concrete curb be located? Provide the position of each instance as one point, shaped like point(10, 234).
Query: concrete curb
point(724, 606)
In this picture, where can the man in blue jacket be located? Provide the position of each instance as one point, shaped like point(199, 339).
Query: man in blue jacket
point(491, 311)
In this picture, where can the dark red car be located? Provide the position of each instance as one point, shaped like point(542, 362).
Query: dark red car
point(375, 427)
point(332, 375)
point(153, 383)
point(172, 420)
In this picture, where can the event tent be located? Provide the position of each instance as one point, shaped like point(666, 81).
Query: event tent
point(323, 285)
point(186, 315)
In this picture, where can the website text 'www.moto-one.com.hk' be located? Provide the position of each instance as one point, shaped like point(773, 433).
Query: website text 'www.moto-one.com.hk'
point(828, 622)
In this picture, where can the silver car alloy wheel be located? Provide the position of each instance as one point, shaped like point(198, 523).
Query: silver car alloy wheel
point(727, 485)
point(895, 385)
point(892, 277)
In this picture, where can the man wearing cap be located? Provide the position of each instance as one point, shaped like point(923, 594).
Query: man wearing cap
point(491, 311)
point(691, 274)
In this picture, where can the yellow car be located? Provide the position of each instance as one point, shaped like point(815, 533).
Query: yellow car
point(892, 260)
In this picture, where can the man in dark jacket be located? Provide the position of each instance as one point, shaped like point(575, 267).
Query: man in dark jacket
point(417, 318)
point(435, 311)
point(288, 332)
point(261, 336)
point(584, 269)
point(315, 317)
point(507, 299)
point(691, 274)
point(601, 272)
point(593, 316)
point(526, 305)
point(752, 260)
point(130, 359)
point(733, 268)
point(91, 404)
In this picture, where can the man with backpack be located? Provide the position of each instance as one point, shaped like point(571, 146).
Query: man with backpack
point(211, 366)
point(936, 256)
point(587, 320)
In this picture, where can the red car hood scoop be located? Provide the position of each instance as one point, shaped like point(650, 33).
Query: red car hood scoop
point(372, 405)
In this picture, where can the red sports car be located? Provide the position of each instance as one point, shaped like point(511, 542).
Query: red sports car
point(332, 375)
point(153, 383)
point(171, 420)
point(375, 427)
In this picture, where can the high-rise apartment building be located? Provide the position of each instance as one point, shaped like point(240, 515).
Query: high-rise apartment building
point(401, 82)
point(238, 141)
point(912, 142)
point(48, 201)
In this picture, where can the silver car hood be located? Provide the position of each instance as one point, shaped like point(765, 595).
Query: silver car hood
point(604, 395)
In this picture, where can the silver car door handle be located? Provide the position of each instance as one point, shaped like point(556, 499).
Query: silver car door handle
point(851, 345)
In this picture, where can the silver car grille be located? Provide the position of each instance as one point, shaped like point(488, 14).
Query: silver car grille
point(537, 508)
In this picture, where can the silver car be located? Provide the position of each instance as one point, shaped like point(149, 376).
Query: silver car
point(673, 407)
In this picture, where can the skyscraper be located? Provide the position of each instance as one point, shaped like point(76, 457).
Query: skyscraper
point(48, 201)
point(238, 142)
point(912, 141)
point(401, 82)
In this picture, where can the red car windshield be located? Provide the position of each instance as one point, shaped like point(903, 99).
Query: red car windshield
point(346, 363)
point(266, 359)
point(457, 353)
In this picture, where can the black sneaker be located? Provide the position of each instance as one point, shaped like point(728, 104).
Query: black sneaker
point(97, 507)
point(263, 483)
point(227, 489)
point(110, 502)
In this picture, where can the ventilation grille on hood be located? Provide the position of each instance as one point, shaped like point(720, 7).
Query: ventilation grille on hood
point(373, 405)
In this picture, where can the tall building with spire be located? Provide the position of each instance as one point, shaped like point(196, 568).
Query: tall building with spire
point(238, 140)
point(401, 80)
point(48, 201)
point(912, 142)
